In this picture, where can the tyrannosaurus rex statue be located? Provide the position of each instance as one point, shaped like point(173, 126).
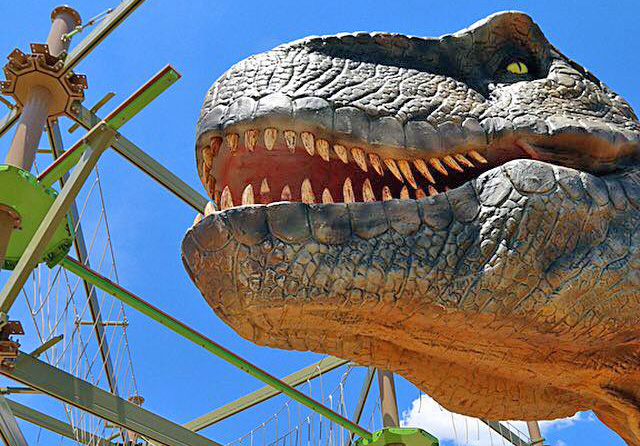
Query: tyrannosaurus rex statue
point(461, 210)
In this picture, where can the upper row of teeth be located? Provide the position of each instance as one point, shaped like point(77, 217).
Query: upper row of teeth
point(400, 168)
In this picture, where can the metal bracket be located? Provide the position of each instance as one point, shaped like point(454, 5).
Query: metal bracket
point(9, 347)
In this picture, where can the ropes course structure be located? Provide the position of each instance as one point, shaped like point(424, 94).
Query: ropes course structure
point(56, 240)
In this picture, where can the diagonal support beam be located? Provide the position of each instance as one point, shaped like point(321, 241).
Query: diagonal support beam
point(301, 376)
point(100, 32)
point(9, 429)
point(55, 425)
point(144, 162)
point(83, 395)
point(55, 141)
point(97, 140)
point(183, 329)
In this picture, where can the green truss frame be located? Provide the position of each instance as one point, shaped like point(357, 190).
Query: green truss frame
point(43, 377)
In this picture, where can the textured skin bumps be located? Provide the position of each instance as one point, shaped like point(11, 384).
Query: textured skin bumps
point(513, 296)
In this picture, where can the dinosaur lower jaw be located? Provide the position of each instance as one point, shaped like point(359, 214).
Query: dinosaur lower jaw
point(270, 164)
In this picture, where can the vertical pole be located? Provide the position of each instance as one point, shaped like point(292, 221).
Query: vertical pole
point(63, 20)
point(25, 142)
point(36, 109)
point(535, 437)
point(388, 402)
point(24, 145)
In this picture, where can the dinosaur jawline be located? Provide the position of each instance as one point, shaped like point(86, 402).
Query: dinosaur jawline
point(272, 165)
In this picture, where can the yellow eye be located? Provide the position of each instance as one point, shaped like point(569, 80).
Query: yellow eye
point(517, 68)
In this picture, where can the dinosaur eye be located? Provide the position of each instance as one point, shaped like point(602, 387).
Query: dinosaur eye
point(517, 68)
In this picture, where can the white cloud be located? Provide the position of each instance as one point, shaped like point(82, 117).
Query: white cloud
point(459, 430)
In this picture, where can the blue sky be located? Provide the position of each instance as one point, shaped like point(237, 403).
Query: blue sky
point(202, 39)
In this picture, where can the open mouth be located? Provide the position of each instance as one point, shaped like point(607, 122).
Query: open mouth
point(261, 165)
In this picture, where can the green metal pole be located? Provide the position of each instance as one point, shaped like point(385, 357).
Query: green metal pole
point(215, 348)
point(97, 140)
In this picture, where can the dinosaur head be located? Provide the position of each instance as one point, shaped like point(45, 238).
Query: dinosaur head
point(461, 210)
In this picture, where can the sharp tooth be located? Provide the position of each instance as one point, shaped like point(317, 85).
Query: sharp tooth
point(404, 192)
point(405, 168)
point(423, 169)
point(307, 142)
point(435, 162)
point(326, 196)
point(215, 146)
point(460, 157)
point(209, 208)
point(322, 146)
point(449, 161)
point(341, 151)
point(198, 219)
point(285, 195)
point(420, 193)
point(250, 139)
point(475, 155)
point(306, 191)
point(290, 139)
point(432, 190)
point(270, 136)
point(386, 194)
point(374, 160)
point(347, 191)
point(358, 157)
point(232, 141)
point(393, 167)
point(264, 186)
point(207, 156)
point(247, 195)
point(367, 191)
point(264, 191)
point(226, 201)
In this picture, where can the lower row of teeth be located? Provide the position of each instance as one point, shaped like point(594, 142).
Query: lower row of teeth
point(308, 195)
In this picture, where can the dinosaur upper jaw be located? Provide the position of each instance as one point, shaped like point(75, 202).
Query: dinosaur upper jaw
point(267, 161)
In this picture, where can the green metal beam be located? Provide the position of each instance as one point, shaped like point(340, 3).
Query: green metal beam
point(301, 376)
point(151, 89)
point(9, 429)
point(54, 425)
point(174, 324)
point(9, 119)
point(98, 140)
point(123, 113)
point(83, 395)
point(143, 161)
point(98, 34)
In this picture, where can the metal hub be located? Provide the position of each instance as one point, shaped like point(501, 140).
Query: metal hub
point(40, 68)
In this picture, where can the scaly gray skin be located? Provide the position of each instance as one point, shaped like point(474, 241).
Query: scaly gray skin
point(513, 296)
